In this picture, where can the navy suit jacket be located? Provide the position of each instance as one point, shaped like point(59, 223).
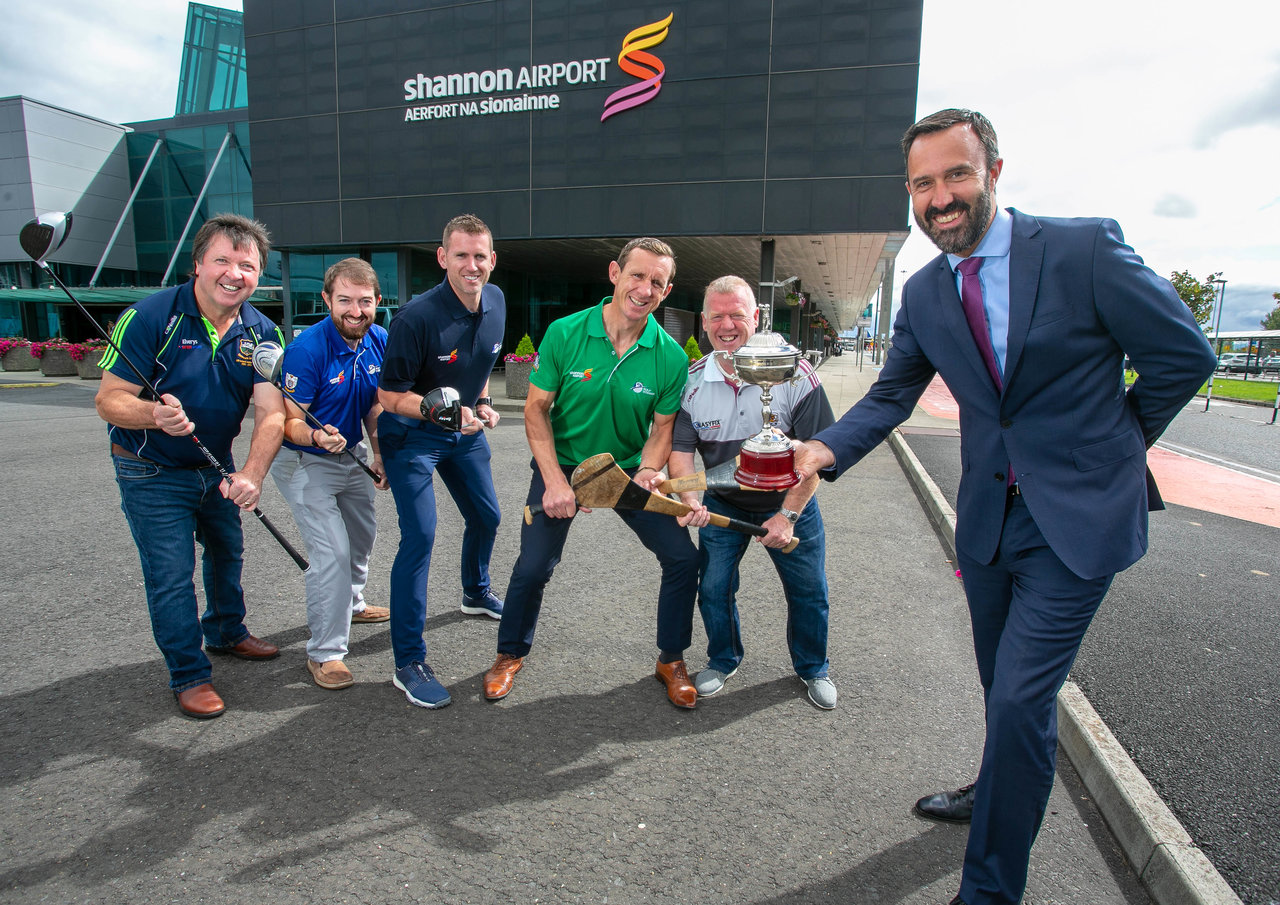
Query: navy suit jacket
point(1079, 301)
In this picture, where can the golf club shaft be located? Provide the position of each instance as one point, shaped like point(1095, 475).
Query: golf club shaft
point(284, 542)
point(720, 521)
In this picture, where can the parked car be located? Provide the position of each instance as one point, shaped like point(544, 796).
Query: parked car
point(1239, 363)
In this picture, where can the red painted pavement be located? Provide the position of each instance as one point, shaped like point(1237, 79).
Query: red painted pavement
point(1183, 480)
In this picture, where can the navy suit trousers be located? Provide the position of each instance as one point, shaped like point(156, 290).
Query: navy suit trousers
point(1030, 613)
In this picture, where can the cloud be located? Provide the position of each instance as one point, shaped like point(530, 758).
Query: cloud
point(1171, 205)
point(1261, 108)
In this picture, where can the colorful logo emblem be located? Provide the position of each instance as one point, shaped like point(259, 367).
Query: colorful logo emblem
point(635, 59)
point(450, 358)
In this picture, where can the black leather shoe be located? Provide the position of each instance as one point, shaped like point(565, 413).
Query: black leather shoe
point(952, 807)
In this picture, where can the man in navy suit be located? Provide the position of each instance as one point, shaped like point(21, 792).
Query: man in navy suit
point(1028, 321)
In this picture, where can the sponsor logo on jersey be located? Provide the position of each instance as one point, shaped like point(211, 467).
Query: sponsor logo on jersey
point(374, 369)
point(581, 375)
point(290, 382)
point(641, 389)
point(496, 347)
point(706, 425)
point(187, 344)
point(448, 359)
point(342, 375)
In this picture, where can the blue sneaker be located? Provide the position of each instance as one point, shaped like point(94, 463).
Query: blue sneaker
point(421, 686)
point(487, 604)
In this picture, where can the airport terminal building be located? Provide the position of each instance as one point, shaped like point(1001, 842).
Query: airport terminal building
point(758, 137)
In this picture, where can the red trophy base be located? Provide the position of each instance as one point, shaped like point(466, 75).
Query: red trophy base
point(773, 470)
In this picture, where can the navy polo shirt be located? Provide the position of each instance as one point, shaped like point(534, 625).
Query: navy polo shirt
point(435, 341)
point(170, 342)
point(339, 384)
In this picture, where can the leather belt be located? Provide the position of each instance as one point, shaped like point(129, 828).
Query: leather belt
point(118, 450)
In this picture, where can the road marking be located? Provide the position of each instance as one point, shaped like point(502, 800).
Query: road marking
point(19, 386)
point(1225, 463)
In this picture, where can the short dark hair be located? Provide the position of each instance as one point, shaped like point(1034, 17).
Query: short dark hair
point(356, 271)
point(654, 247)
point(240, 230)
point(466, 223)
point(955, 116)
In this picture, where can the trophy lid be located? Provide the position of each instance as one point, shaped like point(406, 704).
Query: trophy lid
point(770, 347)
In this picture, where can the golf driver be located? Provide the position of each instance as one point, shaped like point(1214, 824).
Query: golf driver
point(41, 238)
point(268, 360)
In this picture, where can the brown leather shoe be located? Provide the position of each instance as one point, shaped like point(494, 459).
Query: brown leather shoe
point(679, 689)
point(250, 648)
point(331, 674)
point(201, 702)
point(372, 614)
point(498, 680)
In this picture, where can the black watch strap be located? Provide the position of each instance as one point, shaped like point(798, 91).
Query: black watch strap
point(485, 400)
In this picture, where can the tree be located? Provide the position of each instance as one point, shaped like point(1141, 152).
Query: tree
point(691, 349)
point(1198, 296)
point(1272, 320)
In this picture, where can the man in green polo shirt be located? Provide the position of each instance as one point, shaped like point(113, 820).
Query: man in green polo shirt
point(608, 379)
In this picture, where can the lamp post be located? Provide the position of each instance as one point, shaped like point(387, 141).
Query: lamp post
point(1217, 329)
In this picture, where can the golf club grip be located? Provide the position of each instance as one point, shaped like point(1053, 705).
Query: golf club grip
point(284, 541)
point(314, 421)
point(733, 524)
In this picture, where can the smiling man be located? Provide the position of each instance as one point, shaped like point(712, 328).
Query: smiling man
point(1028, 320)
point(435, 397)
point(608, 379)
point(195, 344)
point(331, 370)
point(718, 412)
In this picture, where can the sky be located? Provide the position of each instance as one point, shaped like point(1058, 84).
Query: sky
point(1162, 115)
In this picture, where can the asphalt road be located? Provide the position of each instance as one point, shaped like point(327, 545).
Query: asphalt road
point(1181, 660)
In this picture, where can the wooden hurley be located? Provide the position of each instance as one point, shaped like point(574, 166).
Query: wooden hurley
point(719, 477)
point(598, 483)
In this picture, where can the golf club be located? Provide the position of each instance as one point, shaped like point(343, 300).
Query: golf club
point(268, 360)
point(41, 238)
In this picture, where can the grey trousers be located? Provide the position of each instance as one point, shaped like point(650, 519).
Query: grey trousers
point(332, 502)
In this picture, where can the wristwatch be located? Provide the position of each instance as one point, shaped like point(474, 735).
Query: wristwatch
point(484, 400)
point(789, 515)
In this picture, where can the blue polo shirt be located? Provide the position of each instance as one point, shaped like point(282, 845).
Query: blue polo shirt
point(435, 341)
point(337, 382)
point(170, 341)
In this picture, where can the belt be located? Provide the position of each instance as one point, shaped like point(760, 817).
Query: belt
point(118, 450)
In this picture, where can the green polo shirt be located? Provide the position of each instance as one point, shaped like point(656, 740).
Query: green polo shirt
point(605, 403)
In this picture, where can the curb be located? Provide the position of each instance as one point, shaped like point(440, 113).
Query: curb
point(1170, 866)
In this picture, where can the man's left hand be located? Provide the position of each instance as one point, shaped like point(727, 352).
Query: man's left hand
point(780, 532)
point(375, 465)
point(241, 490)
point(487, 415)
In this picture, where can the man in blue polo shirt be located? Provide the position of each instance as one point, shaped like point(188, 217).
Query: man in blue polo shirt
point(332, 371)
point(435, 397)
point(608, 379)
point(195, 344)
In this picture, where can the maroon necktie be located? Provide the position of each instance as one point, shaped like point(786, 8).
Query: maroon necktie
point(971, 301)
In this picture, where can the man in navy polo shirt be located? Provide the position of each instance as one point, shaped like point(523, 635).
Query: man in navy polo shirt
point(435, 395)
point(332, 371)
point(195, 344)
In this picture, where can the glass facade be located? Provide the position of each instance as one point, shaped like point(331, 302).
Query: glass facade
point(213, 73)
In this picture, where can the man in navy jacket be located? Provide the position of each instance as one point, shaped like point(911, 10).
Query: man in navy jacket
point(1054, 491)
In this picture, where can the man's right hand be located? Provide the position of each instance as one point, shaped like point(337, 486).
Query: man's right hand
point(170, 417)
point(558, 501)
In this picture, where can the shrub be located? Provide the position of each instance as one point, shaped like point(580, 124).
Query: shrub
point(691, 349)
point(524, 351)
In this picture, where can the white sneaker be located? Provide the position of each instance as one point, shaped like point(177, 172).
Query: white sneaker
point(822, 691)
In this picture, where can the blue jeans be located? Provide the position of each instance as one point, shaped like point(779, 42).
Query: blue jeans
point(541, 545)
point(804, 582)
point(413, 454)
point(166, 508)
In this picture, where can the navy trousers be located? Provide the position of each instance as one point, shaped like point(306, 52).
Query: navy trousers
point(1030, 613)
point(541, 545)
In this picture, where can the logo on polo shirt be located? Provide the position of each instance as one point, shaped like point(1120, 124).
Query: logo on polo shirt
point(448, 359)
point(374, 369)
point(187, 344)
point(581, 375)
point(342, 375)
point(496, 347)
point(290, 382)
point(706, 425)
point(641, 389)
point(244, 352)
